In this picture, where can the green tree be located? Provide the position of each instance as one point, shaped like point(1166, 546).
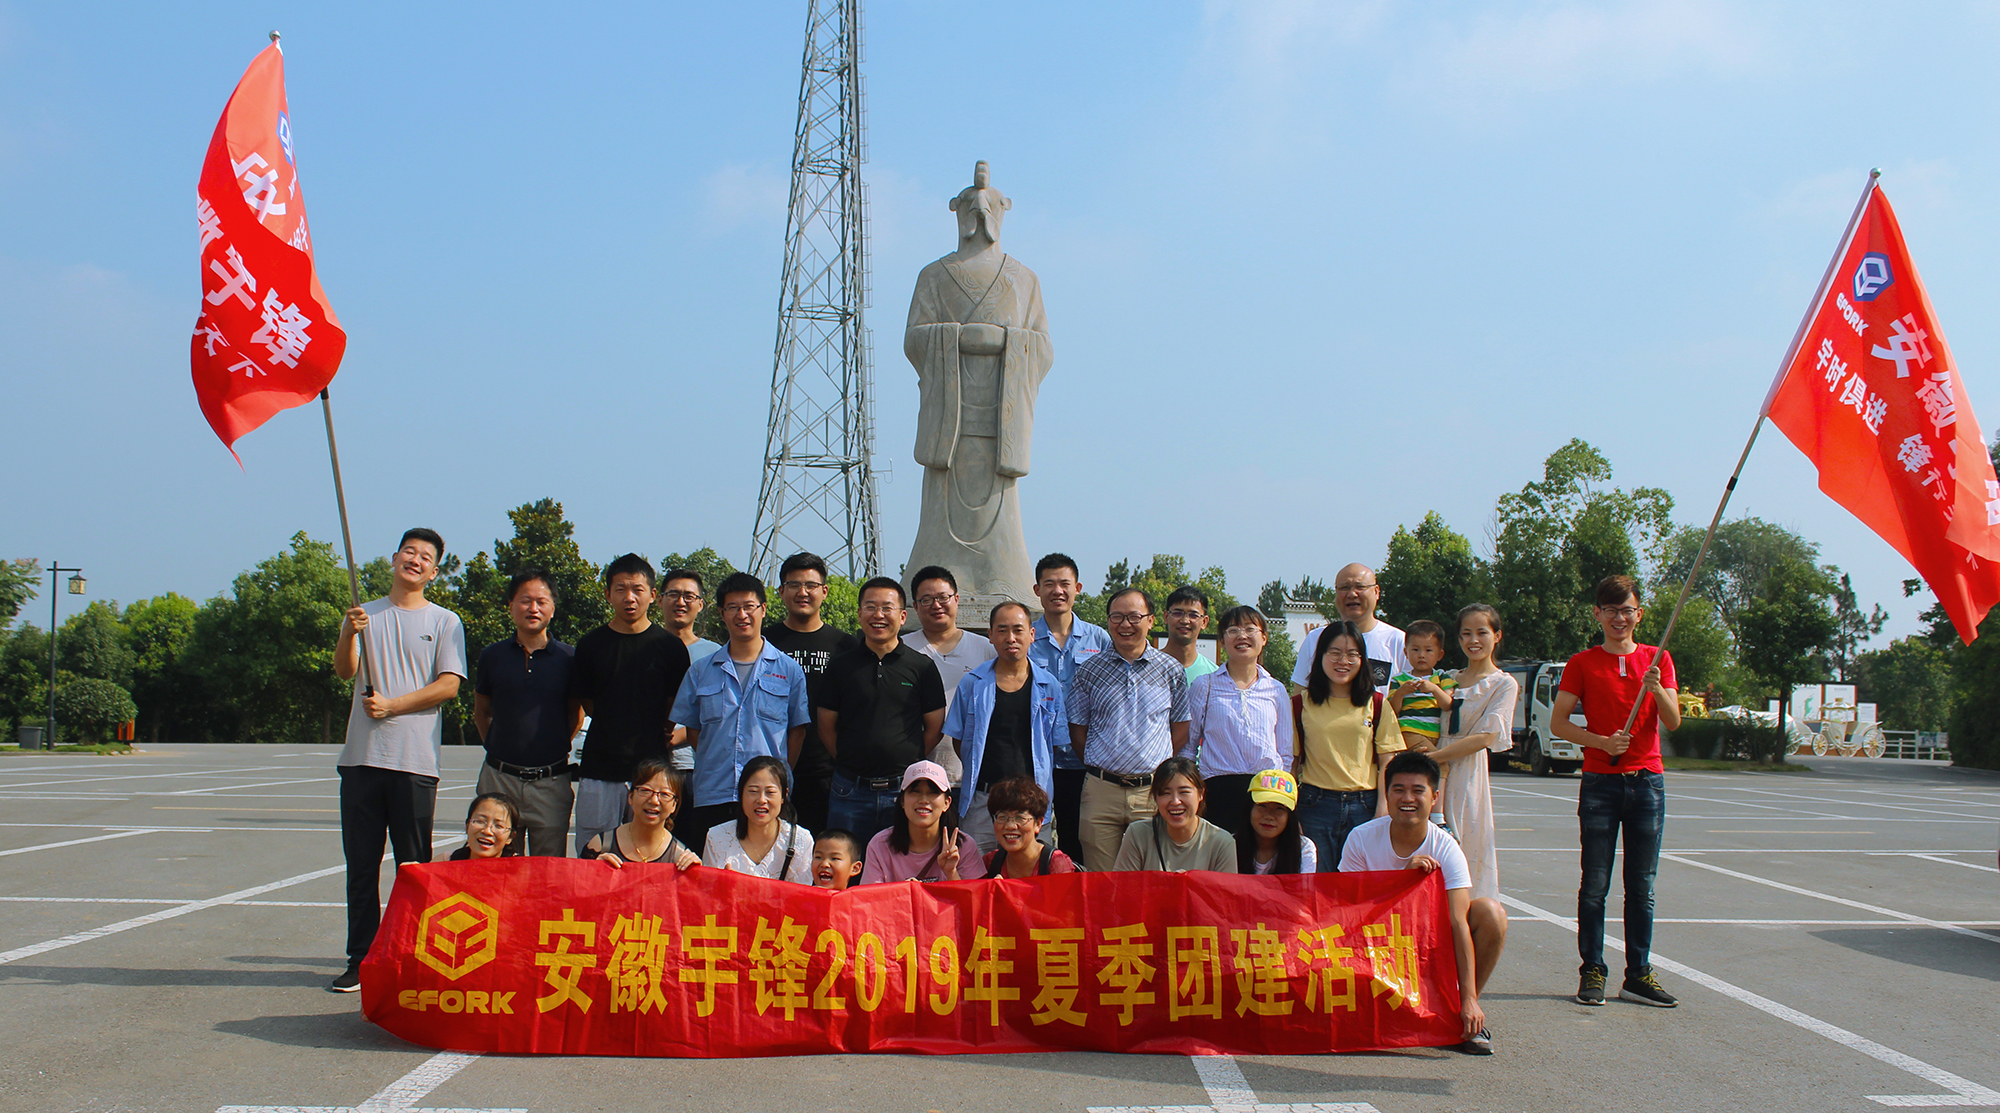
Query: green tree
point(19, 581)
point(1975, 713)
point(1852, 626)
point(1557, 537)
point(24, 677)
point(1166, 573)
point(1701, 649)
point(1740, 559)
point(95, 643)
point(164, 685)
point(265, 651)
point(1909, 681)
point(89, 709)
point(1280, 655)
point(713, 568)
point(1429, 573)
point(1783, 637)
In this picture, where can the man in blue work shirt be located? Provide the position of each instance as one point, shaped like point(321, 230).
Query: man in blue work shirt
point(746, 699)
point(1004, 721)
point(1062, 642)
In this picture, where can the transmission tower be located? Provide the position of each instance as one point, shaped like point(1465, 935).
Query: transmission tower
point(818, 492)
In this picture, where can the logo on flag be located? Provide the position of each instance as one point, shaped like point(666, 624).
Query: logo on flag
point(1872, 276)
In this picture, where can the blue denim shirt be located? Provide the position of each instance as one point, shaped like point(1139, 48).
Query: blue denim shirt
point(972, 713)
point(1085, 641)
point(711, 701)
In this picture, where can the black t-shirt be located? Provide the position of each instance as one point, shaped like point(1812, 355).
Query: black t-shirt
point(814, 652)
point(631, 680)
point(529, 694)
point(881, 702)
point(1009, 737)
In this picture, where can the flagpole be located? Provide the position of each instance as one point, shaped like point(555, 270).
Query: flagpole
point(347, 540)
point(1728, 489)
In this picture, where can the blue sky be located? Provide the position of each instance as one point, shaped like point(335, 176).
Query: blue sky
point(1291, 253)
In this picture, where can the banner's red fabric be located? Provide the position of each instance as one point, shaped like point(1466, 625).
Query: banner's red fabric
point(1874, 398)
point(562, 956)
point(266, 339)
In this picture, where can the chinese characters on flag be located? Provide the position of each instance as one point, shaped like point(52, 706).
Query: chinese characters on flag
point(1872, 396)
point(265, 339)
point(561, 956)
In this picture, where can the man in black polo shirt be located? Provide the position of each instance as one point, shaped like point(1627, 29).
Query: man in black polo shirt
point(880, 710)
point(626, 676)
point(813, 644)
point(524, 715)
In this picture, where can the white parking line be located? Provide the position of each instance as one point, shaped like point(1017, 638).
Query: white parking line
point(1950, 862)
point(144, 776)
point(80, 842)
point(1964, 1091)
point(233, 788)
point(400, 1096)
point(1229, 1093)
point(1906, 917)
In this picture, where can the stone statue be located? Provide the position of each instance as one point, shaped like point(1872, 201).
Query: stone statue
point(980, 343)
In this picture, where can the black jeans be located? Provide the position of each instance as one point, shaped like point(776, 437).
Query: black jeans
point(1605, 804)
point(378, 805)
point(1229, 801)
point(1068, 804)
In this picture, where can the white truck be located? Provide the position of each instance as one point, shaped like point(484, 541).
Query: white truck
point(1535, 745)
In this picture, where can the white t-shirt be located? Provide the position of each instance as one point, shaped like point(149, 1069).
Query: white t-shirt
point(725, 852)
point(407, 650)
point(1369, 848)
point(1385, 655)
point(1308, 860)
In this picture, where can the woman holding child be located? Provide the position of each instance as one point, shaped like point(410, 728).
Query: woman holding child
point(1482, 720)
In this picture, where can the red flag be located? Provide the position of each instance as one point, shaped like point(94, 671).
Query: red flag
point(266, 339)
point(1870, 393)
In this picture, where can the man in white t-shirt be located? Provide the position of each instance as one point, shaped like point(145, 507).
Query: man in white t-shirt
point(414, 651)
point(1357, 594)
point(934, 594)
point(1407, 839)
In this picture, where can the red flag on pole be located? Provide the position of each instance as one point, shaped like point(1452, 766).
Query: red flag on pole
point(266, 339)
point(1871, 395)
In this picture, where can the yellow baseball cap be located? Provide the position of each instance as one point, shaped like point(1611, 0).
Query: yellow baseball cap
point(1275, 786)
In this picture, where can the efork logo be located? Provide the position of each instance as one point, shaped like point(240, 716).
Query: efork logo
point(1872, 276)
point(458, 935)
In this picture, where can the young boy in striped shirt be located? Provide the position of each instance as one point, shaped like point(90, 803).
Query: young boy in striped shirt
point(1420, 697)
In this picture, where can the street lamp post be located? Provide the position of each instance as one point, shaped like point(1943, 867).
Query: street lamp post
point(76, 584)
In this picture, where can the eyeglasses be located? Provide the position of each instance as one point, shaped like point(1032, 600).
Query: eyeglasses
point(1013, 819)
point(681, 596)
point(1239, 631)
point(481, 823)
point(1128, 619)
point(1341, 655)
point(880, 608)
point(1621, 612)
point(1349, 589)
point(802, 585)
point(936, 600)
point(1187, 616)
point(663, 795)
point(742, 608)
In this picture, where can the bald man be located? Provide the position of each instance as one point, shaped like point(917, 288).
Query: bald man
point(1357, 593)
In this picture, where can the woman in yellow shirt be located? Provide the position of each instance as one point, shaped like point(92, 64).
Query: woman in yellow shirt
point(1345, 735)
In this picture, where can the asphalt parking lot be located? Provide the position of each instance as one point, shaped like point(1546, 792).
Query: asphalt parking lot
point(168, 922)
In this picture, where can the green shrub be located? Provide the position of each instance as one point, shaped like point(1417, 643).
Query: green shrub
point(1727, 740)
point(93, 708)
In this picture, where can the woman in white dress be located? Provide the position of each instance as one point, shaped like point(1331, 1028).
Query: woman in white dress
point(762, 839)
point(1481, 720)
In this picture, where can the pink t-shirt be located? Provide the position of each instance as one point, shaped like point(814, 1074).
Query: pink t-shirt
point(885, 863)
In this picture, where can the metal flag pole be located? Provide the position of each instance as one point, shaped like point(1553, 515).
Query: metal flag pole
point(1729, 488)
point(347, 540)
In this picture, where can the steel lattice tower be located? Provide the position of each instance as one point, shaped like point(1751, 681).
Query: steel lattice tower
point(818, 492)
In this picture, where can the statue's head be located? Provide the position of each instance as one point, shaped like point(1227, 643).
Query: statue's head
point(980, 208)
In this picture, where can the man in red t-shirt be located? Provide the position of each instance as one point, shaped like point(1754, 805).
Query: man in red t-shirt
point(1622, 785)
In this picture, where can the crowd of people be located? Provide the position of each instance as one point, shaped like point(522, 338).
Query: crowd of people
point(802, 753)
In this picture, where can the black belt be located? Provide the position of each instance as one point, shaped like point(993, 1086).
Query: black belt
point(1122, 780)
point(876, 784)
point(524, 773)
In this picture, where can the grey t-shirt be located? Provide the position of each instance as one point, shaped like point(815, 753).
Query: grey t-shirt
point(971, 651)
point(407, 649)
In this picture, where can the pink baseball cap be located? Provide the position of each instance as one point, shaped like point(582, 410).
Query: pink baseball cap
point(927, 771)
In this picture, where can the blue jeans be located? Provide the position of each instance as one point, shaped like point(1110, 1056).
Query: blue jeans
point(1326, 816)
point(1605, 803)
point(864, 811)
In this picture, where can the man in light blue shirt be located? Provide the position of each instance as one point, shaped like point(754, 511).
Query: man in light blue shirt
point(1062, 642)
point(741, 701)
point(680, 605)
point(1004, 721)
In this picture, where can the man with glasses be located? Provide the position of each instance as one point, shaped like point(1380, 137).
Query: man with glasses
point(939, 638)
point(1128, 712)
point(813, 644)
point(1062, 642)
point(1187, 620)
point(680, 605)
point(522, 710)
point(1004, 721)
point(1357, 594)
point(736, 705)
point(1624, 785)
point(880, 711)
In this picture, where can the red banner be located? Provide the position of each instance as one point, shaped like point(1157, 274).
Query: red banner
point(561, 956)
point(266, 339)
point(1872, 396)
